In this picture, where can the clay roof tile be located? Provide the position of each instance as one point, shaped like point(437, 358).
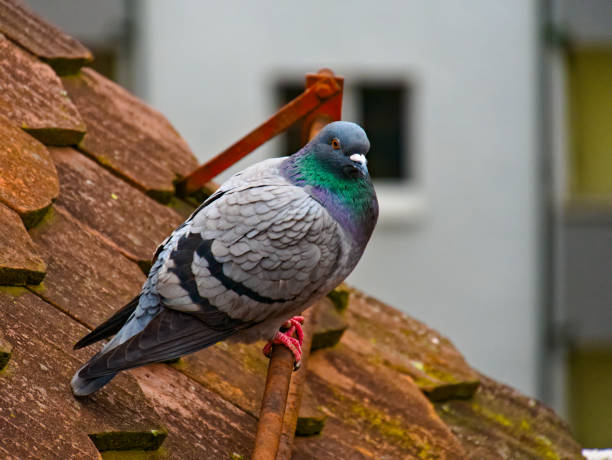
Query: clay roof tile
point(112, 207)
point(21, 25)
point(127, 137)
point(32, 96)
point(20, 262)
point(28, 179)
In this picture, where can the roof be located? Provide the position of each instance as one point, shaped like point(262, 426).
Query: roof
point(87, 175)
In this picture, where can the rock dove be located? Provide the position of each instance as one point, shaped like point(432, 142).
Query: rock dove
point(272, 240)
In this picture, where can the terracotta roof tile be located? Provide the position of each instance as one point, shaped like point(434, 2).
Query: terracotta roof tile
point(499, 422)
point(235, 371)
point(86, 277)
point(380, 333)
point(20, 263)
point(129, 138)
point(28, 180)
point(200, 423)
point(372, 412)
point(39, 417)
point(32, 96)
point(21, 25)
point(134, 221)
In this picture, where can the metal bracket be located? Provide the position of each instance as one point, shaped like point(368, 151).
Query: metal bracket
point(320, 103)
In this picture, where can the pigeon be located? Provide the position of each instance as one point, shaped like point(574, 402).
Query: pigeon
point(271, 241)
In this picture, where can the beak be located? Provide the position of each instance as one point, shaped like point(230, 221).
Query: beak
point(358, 158)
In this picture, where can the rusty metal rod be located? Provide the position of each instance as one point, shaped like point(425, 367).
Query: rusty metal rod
point(278, 398)
point(325, 88)
point(273, 404)
point(296, 389)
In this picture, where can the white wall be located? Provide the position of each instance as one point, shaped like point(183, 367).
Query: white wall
point(468, 267)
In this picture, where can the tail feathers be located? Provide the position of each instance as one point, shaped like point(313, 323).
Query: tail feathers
point(86, 386)
point(111, 326)
point(169, 335)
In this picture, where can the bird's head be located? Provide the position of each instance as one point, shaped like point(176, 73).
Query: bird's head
point(332, 167)
point(341, 146)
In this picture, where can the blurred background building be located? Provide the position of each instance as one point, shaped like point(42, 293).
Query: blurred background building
point(491, 127)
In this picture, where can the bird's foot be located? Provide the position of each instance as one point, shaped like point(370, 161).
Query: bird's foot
point(290, 336)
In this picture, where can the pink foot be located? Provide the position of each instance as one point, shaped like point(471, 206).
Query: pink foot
point(286, 338)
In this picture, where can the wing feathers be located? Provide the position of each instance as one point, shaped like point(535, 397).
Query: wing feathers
point(109, 327)
point(169, 335)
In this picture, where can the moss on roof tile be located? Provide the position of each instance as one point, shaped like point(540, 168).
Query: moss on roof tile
point(383, 335)
point(330, 325)
point(5, 352)
point(128, 440)
point(499, 422)
point(373, 409)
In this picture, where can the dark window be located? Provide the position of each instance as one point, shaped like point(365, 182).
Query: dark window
point(383, 114)
point(291, 140)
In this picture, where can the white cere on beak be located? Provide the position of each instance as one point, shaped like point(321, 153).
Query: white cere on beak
point(358, 158)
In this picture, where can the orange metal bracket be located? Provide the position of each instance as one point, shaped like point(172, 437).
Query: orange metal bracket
point(322, 100)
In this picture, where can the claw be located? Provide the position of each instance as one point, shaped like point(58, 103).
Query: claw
point(287, 339)
point(295, 325)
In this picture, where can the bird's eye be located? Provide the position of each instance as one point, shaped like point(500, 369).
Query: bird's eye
point(335, 143)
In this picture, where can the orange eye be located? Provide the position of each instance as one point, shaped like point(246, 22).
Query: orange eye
point(335, 143)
